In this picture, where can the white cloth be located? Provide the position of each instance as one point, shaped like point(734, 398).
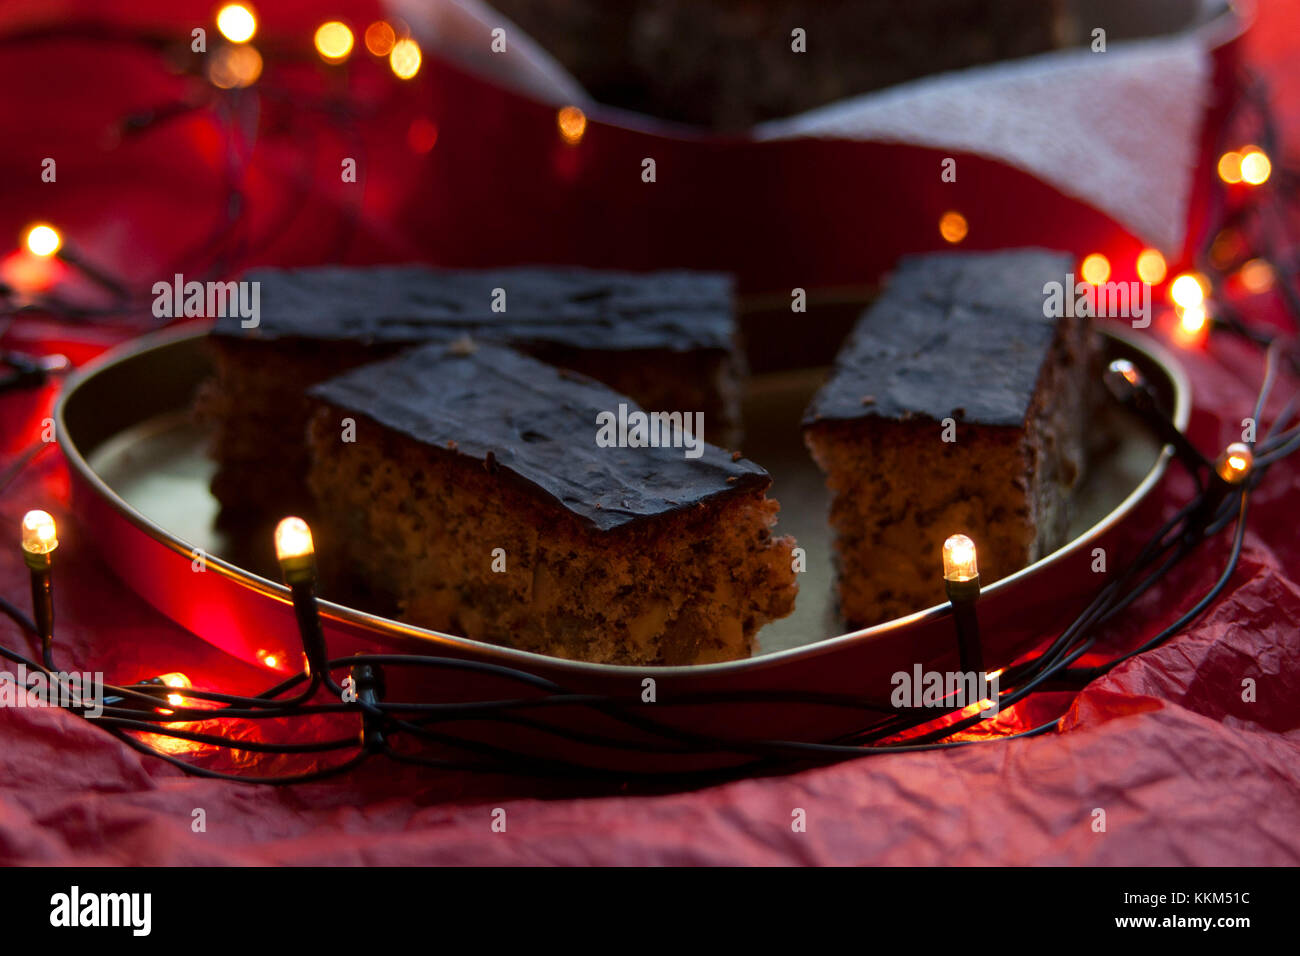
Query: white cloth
point(1118, 130)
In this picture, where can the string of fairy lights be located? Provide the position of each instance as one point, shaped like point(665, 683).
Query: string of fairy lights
point(229, 63)
point(169, 707)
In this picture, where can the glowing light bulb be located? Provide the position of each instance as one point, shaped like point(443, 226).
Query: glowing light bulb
point(236, 23)
point(1230, 167)
point(1187, 291)
point(1255, 167)
point(380, 38)
point(43, 240)
point(178, 681)
point(334, 41)
point(1235, 463)
point(953, 227)
point(959, 562)
point(293, 540)
point(295, 551)
point(40, 536)
point(1151, 267)
point(404, 58)
point(1095, 269)
point(572, 123)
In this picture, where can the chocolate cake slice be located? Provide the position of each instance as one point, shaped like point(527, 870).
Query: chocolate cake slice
point(667, 339)
point(480, 494)
point(959, 336)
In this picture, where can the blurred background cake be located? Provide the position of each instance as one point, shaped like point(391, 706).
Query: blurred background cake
point(727, 64)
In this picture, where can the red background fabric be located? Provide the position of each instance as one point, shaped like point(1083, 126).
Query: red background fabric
point(1187, 772)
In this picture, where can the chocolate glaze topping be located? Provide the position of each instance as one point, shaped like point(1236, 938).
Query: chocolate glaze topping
point(538, 424)
point(958, 335)
point(583, 308)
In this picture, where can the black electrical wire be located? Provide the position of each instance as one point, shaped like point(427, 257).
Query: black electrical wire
point(1178, 537)
point(760, 747)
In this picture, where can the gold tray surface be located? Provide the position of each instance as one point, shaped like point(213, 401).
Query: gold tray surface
point(158, 467)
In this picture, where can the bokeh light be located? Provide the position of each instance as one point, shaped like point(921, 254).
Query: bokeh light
point(234, 67)
point(334, 41)
point(1255, 167)
point(1256, 276)
point(1230, 167)
point(380, 38)
point(422, 134)
point(953, 227)
point(43, 240)
point(1095, 269)
point(1187, 291)
point(236, 22)
point(1193, 319)
point(1151, 267)
point(572, 123)
point(405, 59)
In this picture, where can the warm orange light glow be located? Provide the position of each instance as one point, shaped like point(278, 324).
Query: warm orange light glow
point(1190, 340)
point(1095, 269)
point(380, 38)
point(234, 67)
point(175, 680)
point(26, 273)
point(271, 661)
point(405, 59)
point(970, 710)
point(236, 22)
point(953, 227)
point(1151, 267)
point(1256, 276)
point(175, 746)
point(959, 563)
point(1187, 290)
point(334, 41)
point(1235, 463)
point(1230, 167)
point(1255, 167)
point(1193, 318)
point(43, 240)
point(572, 123)
point(293, 540)
point(40, 536)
